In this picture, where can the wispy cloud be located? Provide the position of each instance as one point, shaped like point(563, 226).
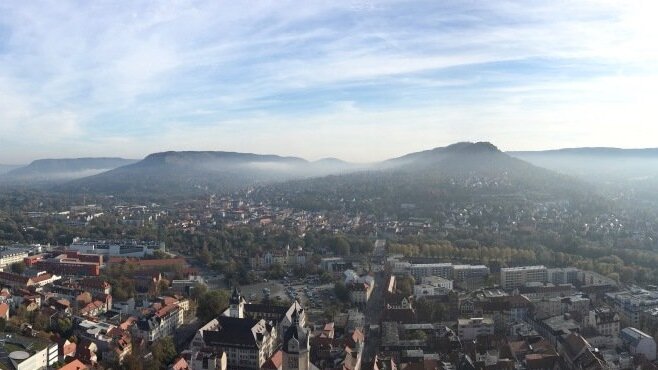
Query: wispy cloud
point(358, 79)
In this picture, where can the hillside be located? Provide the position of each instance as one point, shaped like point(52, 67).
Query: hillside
point(60, 170)
point(195, 172)
point(596, 164)
point(4, 168)
point(463, 172)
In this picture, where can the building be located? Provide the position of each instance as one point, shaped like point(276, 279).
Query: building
point(248, 333)
point(556, 327)
point(605, 321)
point(514, 277)
point(360, 293)
point(466, 272)
point(159, 324)
point(71, 264)
point(630, 304)
point(4, 311)
point(333, 264)
point(444, 270)
point(247, 343)
point(564, 275)
point(638, 343)
point(296, 347)
point(10, 256)
point(42, 356)
point(469, 329)
point(17, 281)
point(116, 248)
point(432, 286)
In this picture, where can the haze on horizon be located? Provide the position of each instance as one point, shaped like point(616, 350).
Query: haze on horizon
point(359, 80)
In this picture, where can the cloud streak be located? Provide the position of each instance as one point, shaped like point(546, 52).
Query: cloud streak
point(362, 80)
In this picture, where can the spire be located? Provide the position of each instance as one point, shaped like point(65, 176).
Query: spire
point(235, 297)
point(295, 317)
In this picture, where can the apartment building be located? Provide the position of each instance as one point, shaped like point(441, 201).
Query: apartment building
point(514, 277)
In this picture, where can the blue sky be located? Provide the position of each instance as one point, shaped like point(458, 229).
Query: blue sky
point(359, 80)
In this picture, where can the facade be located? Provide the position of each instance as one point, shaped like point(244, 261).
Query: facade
point(333, 264)
point(360, 293)
point(71, 264)
point(465, 272)
point(444, 270)
point(469, 329)
point(638, 342)
point(605, 321)
point(247, 343)
point(631, 303)
point(159, 324)
point(17, 281)
point(116, 248)
point(565, 275)
point(11, 256)
point(41, 359)
point(514, 277)
point(296, 347)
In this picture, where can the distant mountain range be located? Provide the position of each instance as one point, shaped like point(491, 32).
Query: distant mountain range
point(481, 166)
point(175, 172)
point(61, 170)
point(460, 171)
point(4, 168)
point(597, 164)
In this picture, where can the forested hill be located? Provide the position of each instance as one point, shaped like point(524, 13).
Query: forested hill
point(459, 172)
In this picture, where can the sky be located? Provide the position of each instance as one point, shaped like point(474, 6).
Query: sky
point(361, 80)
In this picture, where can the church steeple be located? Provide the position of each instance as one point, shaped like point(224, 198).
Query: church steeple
point(236, 304)
point(296, 346)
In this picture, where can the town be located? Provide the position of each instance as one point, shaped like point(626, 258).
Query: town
point(138, 304)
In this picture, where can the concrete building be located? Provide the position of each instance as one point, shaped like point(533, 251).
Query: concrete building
point(40, 359)
point(10, 256)
point(564, 275)
point(514, 277)
point(638, 342)
point(116, 248)
point(432, 286)
point(465, 272)
point(469, 329)
point(631, 303)
point(444, 270)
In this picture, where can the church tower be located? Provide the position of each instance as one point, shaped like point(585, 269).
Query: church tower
point(236, 305)
point(296, 346)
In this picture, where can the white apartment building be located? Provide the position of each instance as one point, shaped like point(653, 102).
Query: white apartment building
point(639, 342)
point(444, 270)
point(514, 277)
point(11, 256)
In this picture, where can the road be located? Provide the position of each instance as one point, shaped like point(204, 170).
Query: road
point(373, 314)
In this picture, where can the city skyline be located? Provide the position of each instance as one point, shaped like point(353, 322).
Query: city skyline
point(358, 80)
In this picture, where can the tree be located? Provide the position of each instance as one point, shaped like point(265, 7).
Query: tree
point(18, 267)
point(406, 285)
point(197, 291)
point(163, 351)
point(211, 305)
point(342, 293)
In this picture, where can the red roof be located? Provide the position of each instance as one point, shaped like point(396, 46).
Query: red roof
point(275, 362)
point(4, 310)
point(75, 365)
